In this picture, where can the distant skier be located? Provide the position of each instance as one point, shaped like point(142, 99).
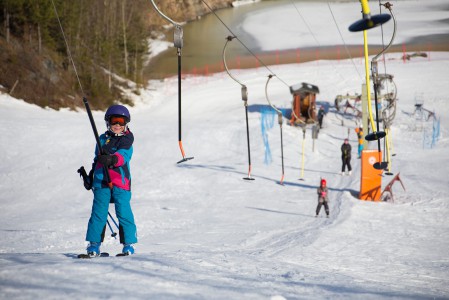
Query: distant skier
point(117, 147)
point(322, 198)
point(321, 114)
point(359, 131)
point(346, 157)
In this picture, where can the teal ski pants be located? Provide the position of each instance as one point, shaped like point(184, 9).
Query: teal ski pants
point(98, 218)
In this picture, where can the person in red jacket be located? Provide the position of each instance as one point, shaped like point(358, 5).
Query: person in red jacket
point(322, 198)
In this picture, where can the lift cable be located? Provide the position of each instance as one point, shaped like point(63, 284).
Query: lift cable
point(243, 44)
point(344, 43)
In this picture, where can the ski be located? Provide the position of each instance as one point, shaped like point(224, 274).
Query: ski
point(122, 254)
point(86, 256)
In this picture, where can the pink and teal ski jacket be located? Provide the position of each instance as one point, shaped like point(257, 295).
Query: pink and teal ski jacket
point(121, 147)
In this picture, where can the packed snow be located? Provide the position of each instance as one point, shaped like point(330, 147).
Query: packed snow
point(204, 232)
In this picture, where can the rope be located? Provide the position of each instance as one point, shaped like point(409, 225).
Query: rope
point(67, 47)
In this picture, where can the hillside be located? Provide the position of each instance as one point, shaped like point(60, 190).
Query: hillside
point(34, 64)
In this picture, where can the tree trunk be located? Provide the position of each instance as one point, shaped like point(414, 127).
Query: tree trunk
point(124, 37)
point(135, 65)
point(6, 24)
point(39, 37)
point(30, 38)
point(110, 74)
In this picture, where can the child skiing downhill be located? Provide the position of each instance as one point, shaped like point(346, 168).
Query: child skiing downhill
point(114, 157)
point(322, 198)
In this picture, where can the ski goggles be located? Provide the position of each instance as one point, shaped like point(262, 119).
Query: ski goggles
point(117, 120)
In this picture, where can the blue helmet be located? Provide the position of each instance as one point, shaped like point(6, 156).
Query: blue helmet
point(117, 110)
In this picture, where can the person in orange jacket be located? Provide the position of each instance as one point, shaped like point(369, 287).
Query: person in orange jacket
point(359, 131)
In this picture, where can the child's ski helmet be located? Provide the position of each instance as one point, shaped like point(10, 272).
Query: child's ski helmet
point(120, 111)
point(323, 182)
point(117, 110)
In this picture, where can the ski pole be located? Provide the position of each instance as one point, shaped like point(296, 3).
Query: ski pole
point(113, 234)
point(113, 220)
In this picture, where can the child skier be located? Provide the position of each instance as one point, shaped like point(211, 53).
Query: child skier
point(114, 158)
point(322, 198)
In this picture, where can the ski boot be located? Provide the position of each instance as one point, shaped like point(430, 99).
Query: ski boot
point(128, 249)
point(93, 249)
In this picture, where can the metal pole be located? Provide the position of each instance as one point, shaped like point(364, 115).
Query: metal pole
point(244, 91)
point(280, 121)
point(178, 43)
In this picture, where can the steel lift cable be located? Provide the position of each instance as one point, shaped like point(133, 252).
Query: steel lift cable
point(314, 37)
point(343, 40)
point(178, 43)
point(280, 121)
point(234, 36)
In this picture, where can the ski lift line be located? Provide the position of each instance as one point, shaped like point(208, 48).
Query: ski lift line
point(307, 25)
point(67, 47)
point(314, 37)
point(343, 40)
point(243, 44)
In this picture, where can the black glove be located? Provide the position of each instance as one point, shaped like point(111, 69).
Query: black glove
point(107, 160)
point(87, 179)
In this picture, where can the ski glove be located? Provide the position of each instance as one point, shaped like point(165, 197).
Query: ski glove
point(107, 160)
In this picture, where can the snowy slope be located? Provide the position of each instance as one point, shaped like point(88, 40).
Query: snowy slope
point(204, 233)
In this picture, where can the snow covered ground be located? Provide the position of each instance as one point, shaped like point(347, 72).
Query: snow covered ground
point(311, 23)
point(204, 233)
